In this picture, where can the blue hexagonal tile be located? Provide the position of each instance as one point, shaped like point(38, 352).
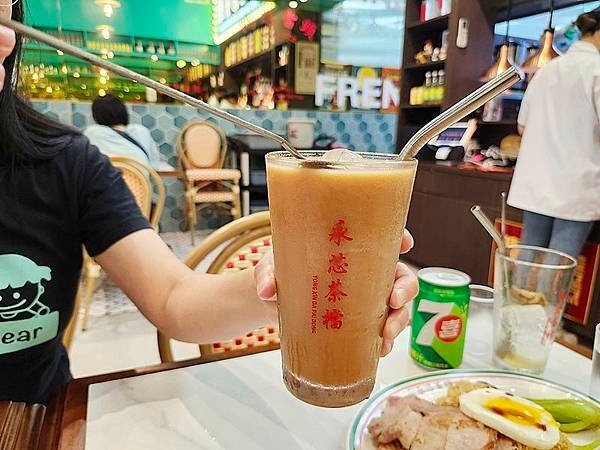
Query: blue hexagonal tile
point(180, 121)
point(318, 125)
point(362, 127)
point(340, 126)
point(388, 138)
point(166, 149)
point(267, 124)
point(367, 138)
point(170, 202)
point(176, 214)
point(345, 138)
point(79, 120)
point(148, 121)
point(372, 148)
point(139, 109)
point(383, 127)
point(157, 135)
point(172, 160)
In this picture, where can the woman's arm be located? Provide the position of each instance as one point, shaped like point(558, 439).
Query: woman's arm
point(186, 305)
point(7, 43)
point(201, 308)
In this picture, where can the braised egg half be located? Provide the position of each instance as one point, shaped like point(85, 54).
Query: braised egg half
point(515, 417)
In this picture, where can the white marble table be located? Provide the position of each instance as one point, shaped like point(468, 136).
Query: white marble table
point(242, 404)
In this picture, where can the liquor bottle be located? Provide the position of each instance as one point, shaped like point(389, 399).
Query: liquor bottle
point(433, 96)
point(441, 85)
point(427, 88)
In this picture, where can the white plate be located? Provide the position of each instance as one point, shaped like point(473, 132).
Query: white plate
point(434, 385)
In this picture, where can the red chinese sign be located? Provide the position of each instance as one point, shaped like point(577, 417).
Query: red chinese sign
point(333, 319)
point(289, 19)
point(338, 264)
point(308, 28)
point(338, 233)
point(335, 293)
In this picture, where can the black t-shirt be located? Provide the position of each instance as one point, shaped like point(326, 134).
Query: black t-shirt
point(49, 209)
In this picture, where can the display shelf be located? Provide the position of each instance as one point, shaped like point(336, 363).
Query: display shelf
point(437, 24)
point(427, 66)
point(423, 106)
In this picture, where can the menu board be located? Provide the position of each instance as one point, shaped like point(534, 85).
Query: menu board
point(306, 67)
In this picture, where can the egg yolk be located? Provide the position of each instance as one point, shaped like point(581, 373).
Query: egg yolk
point(519, 413)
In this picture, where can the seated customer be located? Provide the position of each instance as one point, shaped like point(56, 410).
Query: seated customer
point(115, 136)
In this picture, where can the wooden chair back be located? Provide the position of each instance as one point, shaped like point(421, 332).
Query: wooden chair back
point(140, 178)
point(201, 145)
point(246, 241)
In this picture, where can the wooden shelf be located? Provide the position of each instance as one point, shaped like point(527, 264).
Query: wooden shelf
point(426, 66)
point(437, 24)
point(499, 123)
point(424, 106)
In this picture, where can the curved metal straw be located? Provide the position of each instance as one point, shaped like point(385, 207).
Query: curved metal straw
point(166, 90)
point(467, 105)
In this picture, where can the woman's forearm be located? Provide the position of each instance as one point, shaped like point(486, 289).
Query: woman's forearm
point(207, 308)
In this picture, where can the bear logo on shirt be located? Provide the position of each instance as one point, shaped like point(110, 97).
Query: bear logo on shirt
point(24, 320)
point(21, 287)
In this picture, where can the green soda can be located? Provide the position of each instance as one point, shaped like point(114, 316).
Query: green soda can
point(439, 318)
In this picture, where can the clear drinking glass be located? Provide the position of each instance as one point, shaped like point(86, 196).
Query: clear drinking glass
point(336, 235)
point(531, 288)
point(595, 379)
point(478, 341)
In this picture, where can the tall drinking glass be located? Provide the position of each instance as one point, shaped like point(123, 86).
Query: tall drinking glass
point(336, 236)
point(595, 379)
point(531, 288)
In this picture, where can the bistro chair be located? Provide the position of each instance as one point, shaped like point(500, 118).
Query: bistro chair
point(140, 179)
point(246, 241)
point(202, 147)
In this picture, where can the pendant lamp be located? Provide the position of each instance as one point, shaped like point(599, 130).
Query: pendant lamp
point(504, 60)
point(546, 53)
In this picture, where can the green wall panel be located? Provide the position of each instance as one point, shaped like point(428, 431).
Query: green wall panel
point(182, 20)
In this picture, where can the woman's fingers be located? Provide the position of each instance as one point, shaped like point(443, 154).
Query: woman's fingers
point(406, 286)
point(264, 276)
point(7, 44)
point(397, 321)
point(407, 242)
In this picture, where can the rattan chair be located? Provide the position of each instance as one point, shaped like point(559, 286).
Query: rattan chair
point(140, 180)
point(247, 240)
point(202, 148)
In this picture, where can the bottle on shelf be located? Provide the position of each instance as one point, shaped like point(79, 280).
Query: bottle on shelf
point(432, 9)
point(441, 85)
point(433, 93)
point(139, 47)
point(446, 7)
point(427, 88)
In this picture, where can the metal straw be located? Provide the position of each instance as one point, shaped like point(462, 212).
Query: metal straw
point(159, 87)
point(459, 110)
point(503, 218)
point(489, 227)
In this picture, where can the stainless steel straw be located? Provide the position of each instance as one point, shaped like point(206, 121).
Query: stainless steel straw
point(459, 110)
point(503, 217)
point(489, 227)
point(163, 89)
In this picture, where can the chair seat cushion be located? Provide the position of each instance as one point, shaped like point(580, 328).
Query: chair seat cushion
point(213, 174)
point(214, 196)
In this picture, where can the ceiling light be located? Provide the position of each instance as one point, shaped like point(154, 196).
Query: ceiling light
point(154, 58)
point(108, 6)
point(181, 63)
point(110, 55)
point(293, 4)
point(103, 72)
point(76, 75)
point(59, 52)
point(105, 31)
point(195, 63)
point(101, 92)
point(162, 80)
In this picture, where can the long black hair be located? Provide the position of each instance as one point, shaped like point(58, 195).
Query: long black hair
point(25, 134)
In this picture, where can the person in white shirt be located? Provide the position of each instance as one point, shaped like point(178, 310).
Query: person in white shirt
point(557, 178)
point(115, 136)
